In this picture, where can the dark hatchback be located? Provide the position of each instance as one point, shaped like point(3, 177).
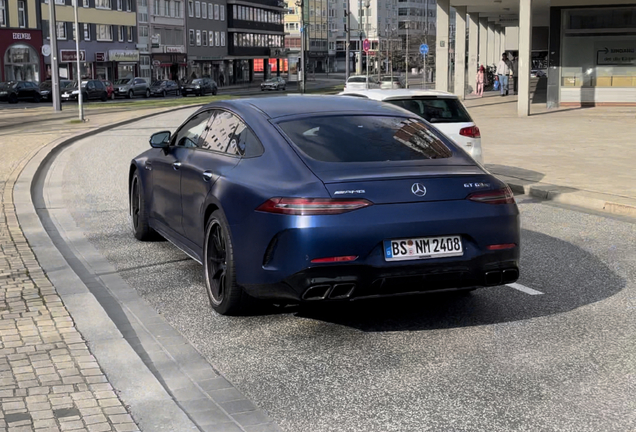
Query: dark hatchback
point(15, 91)
point(46, 88)
point(348, 199)
point(91, 90)
point(199, 87)
point(164, 88)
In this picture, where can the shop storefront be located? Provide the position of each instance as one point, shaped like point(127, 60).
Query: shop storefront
point(171, 66)
point(597, 56)
point(68, 65)
point(104, 70)
point(20, 58)
point(126, 63)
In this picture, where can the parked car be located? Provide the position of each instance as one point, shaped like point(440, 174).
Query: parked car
point(46, 87)
point(275, 83)
point(537, 73)
point(388, 82)
point(362, 199)
point(131, 87)
point(110, 89)
point(91, 90)
point(359, 82)
point(164, 88)
point(14, 91)
point(199, 87)
point(444, 110)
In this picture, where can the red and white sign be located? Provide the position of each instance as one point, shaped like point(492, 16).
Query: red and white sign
point(366, 45)
point(100, 56)
point(71, 56)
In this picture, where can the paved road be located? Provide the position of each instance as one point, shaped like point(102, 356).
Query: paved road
point(499, 359)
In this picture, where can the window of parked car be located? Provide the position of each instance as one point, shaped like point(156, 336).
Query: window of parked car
point(190, 133)
point(360, 138)
point(435, 110)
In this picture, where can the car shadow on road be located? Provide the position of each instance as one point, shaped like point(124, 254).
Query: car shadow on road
point(568, 276)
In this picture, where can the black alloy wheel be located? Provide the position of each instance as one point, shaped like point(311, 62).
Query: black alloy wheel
point(214, 91)
point(147, 93)
point(36, 98)
point(13, 98)
point(138, 215)
point(130, 94)
point(226, 297)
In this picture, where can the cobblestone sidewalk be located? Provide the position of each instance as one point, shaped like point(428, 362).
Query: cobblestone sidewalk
point(49, 380)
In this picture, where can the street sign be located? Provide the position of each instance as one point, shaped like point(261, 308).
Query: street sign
point(424, 49)
point(366, 45)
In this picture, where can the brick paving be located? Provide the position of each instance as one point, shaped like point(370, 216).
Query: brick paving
point(49, 380)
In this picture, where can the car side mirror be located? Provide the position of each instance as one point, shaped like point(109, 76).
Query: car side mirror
point(160, 139)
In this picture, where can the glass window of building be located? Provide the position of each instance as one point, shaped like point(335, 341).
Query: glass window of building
point(204, 37)
point(3, 13)
point(216, 12)
point(191, 37)
point(61, 30)
point(217, 40)
point(190, 8)
point(166, 8)
point(130, 33)
point(222, 38)
point(197, 9)
point(119, 4)
point(222, 12)
point(21, 63)
point(21, 15)
point(177, 9)
point(211, 36)
point(198, 37)
point(204, 10)
point(210, 11)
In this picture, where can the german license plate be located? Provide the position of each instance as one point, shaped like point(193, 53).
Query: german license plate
point(422, 248)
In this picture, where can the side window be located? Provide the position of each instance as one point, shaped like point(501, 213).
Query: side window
point(190, 134)
point(99, 85)
point(222, 128)
point(90, 85)
point(245, 142)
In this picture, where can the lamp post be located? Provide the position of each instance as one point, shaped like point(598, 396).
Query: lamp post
point(299, 3)
point(55, 78)
point(367, 4)
point(406, 58)
point(348, 40)
point(79, 67)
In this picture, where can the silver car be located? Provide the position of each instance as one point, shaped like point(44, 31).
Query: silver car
point(359, 82)
point(131, 87)
point(390, 83)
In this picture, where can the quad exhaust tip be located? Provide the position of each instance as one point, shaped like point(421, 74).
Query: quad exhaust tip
point(333, 292)
point(500, 277)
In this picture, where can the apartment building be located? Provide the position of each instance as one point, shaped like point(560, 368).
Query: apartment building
point(20, 41)
point(256, 35)
point(108, 35)
point(162, 35)
point(207, 39)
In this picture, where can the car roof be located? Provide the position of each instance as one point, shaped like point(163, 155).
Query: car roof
point(382, 95)
point(292, 105)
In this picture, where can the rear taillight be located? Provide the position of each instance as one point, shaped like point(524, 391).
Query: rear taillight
point(499, 196)
point(312, 206)
point(348, 258)
point(470, 132)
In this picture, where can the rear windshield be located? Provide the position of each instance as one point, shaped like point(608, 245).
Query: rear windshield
point(365, 139)
point(435, 110)
point(357, 79)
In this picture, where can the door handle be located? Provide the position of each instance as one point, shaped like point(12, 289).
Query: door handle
point(207, 176)
point(176, 165)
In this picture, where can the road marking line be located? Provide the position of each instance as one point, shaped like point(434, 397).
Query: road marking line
point(524, 289)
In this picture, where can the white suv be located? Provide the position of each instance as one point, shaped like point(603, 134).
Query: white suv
point(359, 82)
point(444, 110)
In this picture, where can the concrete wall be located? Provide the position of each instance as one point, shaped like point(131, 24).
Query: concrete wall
point(512, 39)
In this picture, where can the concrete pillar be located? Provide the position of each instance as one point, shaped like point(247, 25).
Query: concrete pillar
point(441, 52)
point(483, 42)
point(473, 50)
point(498, 50)
point(503, 39)
point(460, 51)
point(491, 44)
point(525, 57)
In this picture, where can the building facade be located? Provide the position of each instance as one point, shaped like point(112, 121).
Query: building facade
point(108, 38)
point(166, 39)
point(207, 39)
point(255, 36)
point(20, 41)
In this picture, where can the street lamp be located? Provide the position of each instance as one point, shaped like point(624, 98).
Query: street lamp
point(366, 35)
point(407, 25)
point(79, 68)
point(299, 3)
point(347, 40)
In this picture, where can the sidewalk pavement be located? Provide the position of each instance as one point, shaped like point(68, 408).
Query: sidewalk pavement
point(577, 156)
point(49, 380)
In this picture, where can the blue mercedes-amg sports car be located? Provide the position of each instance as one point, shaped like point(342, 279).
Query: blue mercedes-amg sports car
point(318, 198)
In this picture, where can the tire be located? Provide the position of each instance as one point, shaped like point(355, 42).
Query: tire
point(262, 89)
point(214, 91)
point(138, 212)
point(283, 88)
point(164, 93)
point(112, 96)
point(13, 99)
point(130, 94)
point(84, 97)
point(104, 97)
point(226, 297)
point(37, 98)
point(147, 93)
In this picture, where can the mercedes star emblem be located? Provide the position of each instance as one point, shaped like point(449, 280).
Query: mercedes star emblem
point(418, 189)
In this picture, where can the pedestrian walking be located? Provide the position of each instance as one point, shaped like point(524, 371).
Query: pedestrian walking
point(222, 80)
point(481, 81)
point(515, 74)
point(504, 70)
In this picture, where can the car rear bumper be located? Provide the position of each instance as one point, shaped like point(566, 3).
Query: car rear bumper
point(274, 252)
